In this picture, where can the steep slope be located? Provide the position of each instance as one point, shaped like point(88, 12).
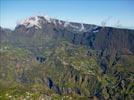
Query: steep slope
point(53, 59)
point(68, 71)
point(39, 30)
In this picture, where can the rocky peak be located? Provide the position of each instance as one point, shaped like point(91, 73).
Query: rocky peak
point(35, 21)
point(39, 21)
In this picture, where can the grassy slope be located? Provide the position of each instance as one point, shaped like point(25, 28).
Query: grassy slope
point(70, 69)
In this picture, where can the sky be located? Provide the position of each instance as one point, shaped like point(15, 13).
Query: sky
point(118, 13)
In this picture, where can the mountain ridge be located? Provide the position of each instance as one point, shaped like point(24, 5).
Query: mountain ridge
point(63, 61)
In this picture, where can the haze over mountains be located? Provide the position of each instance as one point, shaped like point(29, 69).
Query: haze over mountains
point(55, 59)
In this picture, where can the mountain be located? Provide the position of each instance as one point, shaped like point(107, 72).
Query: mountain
point(54, 59)
point(93, 36)
point(4, 33)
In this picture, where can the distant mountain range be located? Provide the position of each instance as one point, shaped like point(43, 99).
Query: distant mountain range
point(95, 37)
point(51, 58)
